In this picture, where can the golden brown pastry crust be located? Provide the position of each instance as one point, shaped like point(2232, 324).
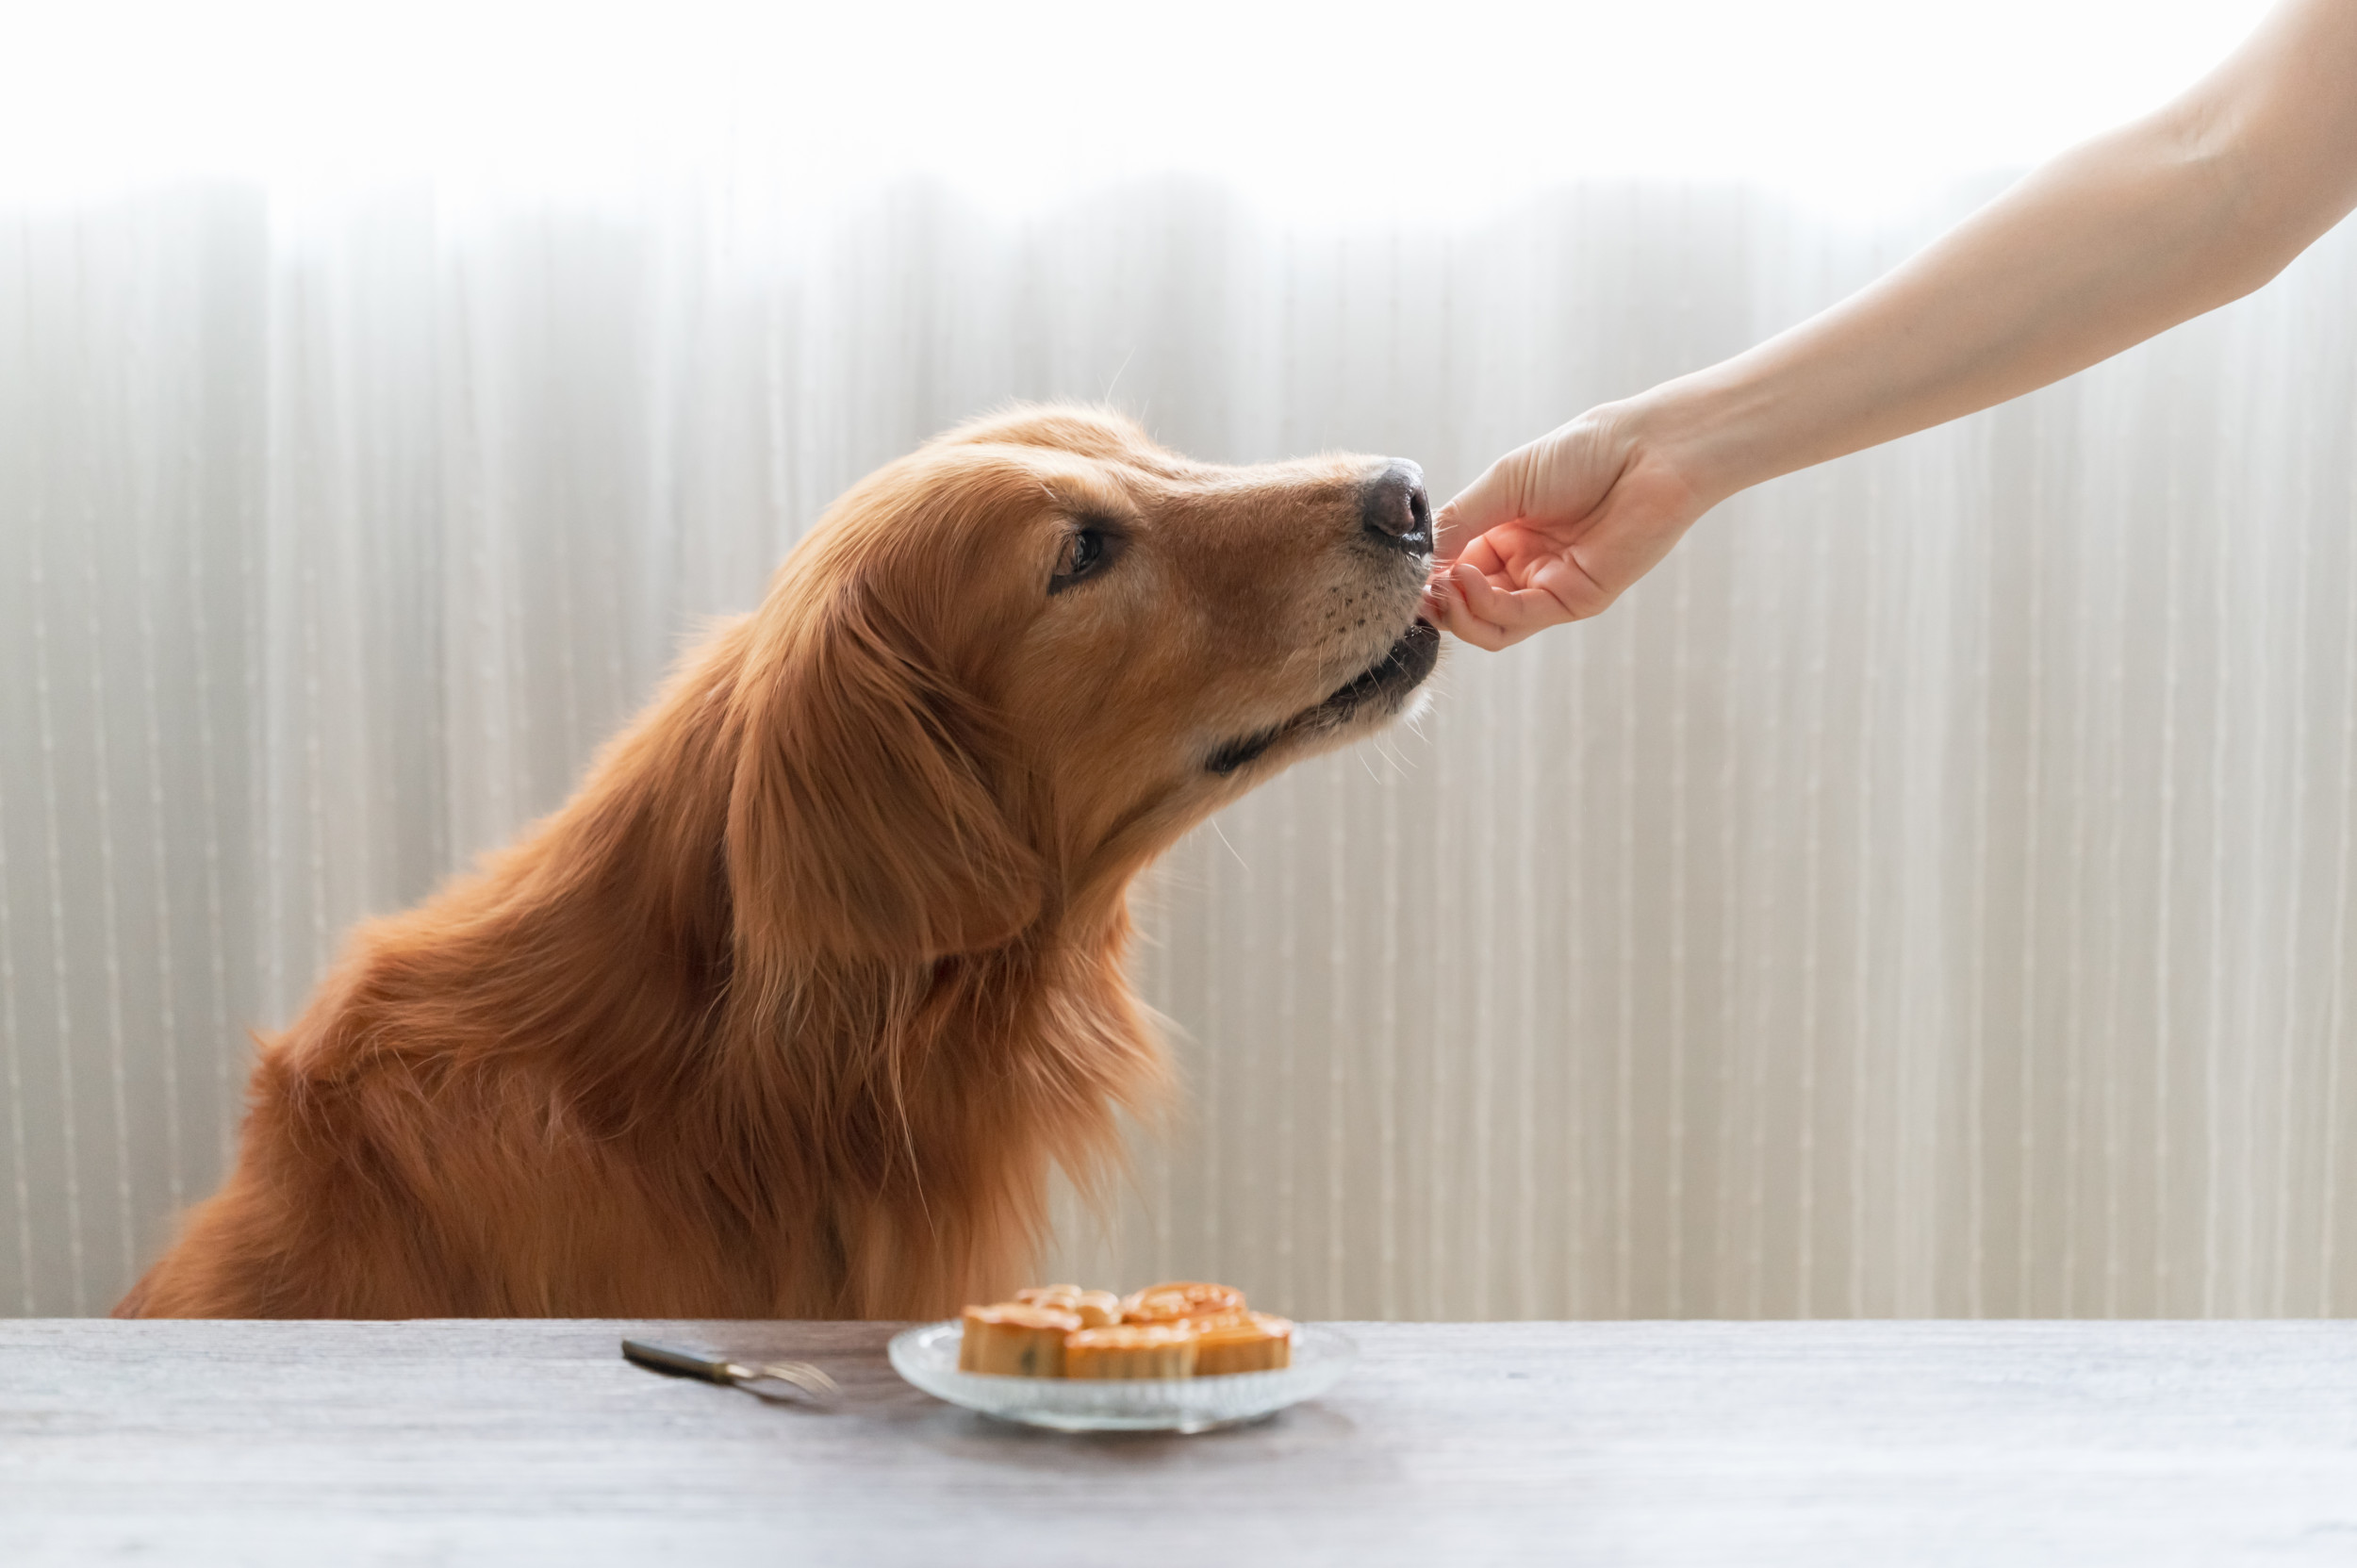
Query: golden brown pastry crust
point(1179, 1300)
point(1015, 1340)
point(1242, 1342)
point(1095, 1308)
point(1130, 1350)
point(1179, 1328)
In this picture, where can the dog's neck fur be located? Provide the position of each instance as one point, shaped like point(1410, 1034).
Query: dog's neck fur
point(880, 1133)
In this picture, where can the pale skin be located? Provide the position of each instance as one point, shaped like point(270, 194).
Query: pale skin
point(2122, 237)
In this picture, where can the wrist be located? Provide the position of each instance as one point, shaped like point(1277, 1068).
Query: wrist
point(1699, 428)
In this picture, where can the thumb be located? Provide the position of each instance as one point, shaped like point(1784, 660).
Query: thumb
point(1495, 497)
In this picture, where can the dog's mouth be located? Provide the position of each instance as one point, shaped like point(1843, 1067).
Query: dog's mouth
point(1380, 687)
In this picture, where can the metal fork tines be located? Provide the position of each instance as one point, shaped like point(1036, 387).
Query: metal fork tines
point(752, 1376)
point(800, 1375)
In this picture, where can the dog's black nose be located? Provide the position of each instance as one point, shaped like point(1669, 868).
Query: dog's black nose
point(1395, 512)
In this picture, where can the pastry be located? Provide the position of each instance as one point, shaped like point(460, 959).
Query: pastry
point(1015, 1340)
point(1179, 1328)
point(1180, 1298)
point(1130, 1350)
point(1242, 1341)
point(1096, 1309)
point(1234, 1318)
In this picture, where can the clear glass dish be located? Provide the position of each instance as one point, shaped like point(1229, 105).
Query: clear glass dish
point(928, 1357)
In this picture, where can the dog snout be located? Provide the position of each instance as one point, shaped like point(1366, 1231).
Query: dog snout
point(1395, 510)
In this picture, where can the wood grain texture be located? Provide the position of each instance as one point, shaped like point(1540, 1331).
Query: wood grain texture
point(520, 1443)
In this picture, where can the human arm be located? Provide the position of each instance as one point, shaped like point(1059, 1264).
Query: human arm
point(2117, 239)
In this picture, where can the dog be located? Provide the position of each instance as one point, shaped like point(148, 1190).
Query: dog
point(790, 1010)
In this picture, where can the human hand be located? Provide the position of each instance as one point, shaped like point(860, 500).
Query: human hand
point(1558, 529)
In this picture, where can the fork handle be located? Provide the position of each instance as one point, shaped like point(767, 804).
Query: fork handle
point(673, 1361)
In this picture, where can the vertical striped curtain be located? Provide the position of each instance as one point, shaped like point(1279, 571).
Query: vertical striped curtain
point(1928, 893)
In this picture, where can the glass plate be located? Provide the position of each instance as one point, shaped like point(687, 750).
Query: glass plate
point(928, 1357)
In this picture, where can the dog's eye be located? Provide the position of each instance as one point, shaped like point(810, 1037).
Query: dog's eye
point(1085, 551)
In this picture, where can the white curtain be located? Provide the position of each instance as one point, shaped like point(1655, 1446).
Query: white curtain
point(1929, 893)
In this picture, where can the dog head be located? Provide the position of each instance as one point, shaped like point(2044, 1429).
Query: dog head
point(1005, 671)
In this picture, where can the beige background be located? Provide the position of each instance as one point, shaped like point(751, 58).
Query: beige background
point(1929, 893)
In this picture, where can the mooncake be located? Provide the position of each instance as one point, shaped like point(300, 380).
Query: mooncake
point(1015, 1340)
point(1242, 1342)
point(1179, 1300)
point(1095, 1308)
point(1130, 1350)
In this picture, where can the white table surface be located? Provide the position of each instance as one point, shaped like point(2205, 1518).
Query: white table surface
point(520, 1442)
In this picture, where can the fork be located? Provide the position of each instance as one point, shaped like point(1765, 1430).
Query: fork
point(674, 1362)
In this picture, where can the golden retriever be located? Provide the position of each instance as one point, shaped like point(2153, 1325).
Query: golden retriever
point(790, 1010)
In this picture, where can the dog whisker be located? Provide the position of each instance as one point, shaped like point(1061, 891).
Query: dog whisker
point(1214, 824)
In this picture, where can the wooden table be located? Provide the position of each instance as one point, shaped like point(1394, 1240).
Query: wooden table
point(525, 1443)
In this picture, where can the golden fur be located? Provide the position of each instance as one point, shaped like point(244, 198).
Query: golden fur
point(787, 1012)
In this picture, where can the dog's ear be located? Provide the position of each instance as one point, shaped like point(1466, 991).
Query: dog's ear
point(862, 817)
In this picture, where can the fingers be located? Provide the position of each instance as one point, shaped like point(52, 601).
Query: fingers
point(1495, 497)
point(1444, 607)
point(1470, 607)
point(1547, 535)
point(1446, 602)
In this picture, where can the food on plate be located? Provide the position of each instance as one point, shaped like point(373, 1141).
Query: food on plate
point(1179, 1300)
point(1180, 1328)
point(1242, 1341)
point(1130, 1350)
point(1096, 1309)
point(1015, 1340)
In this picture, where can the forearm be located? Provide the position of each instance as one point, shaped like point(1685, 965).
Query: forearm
point(2113, 243)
